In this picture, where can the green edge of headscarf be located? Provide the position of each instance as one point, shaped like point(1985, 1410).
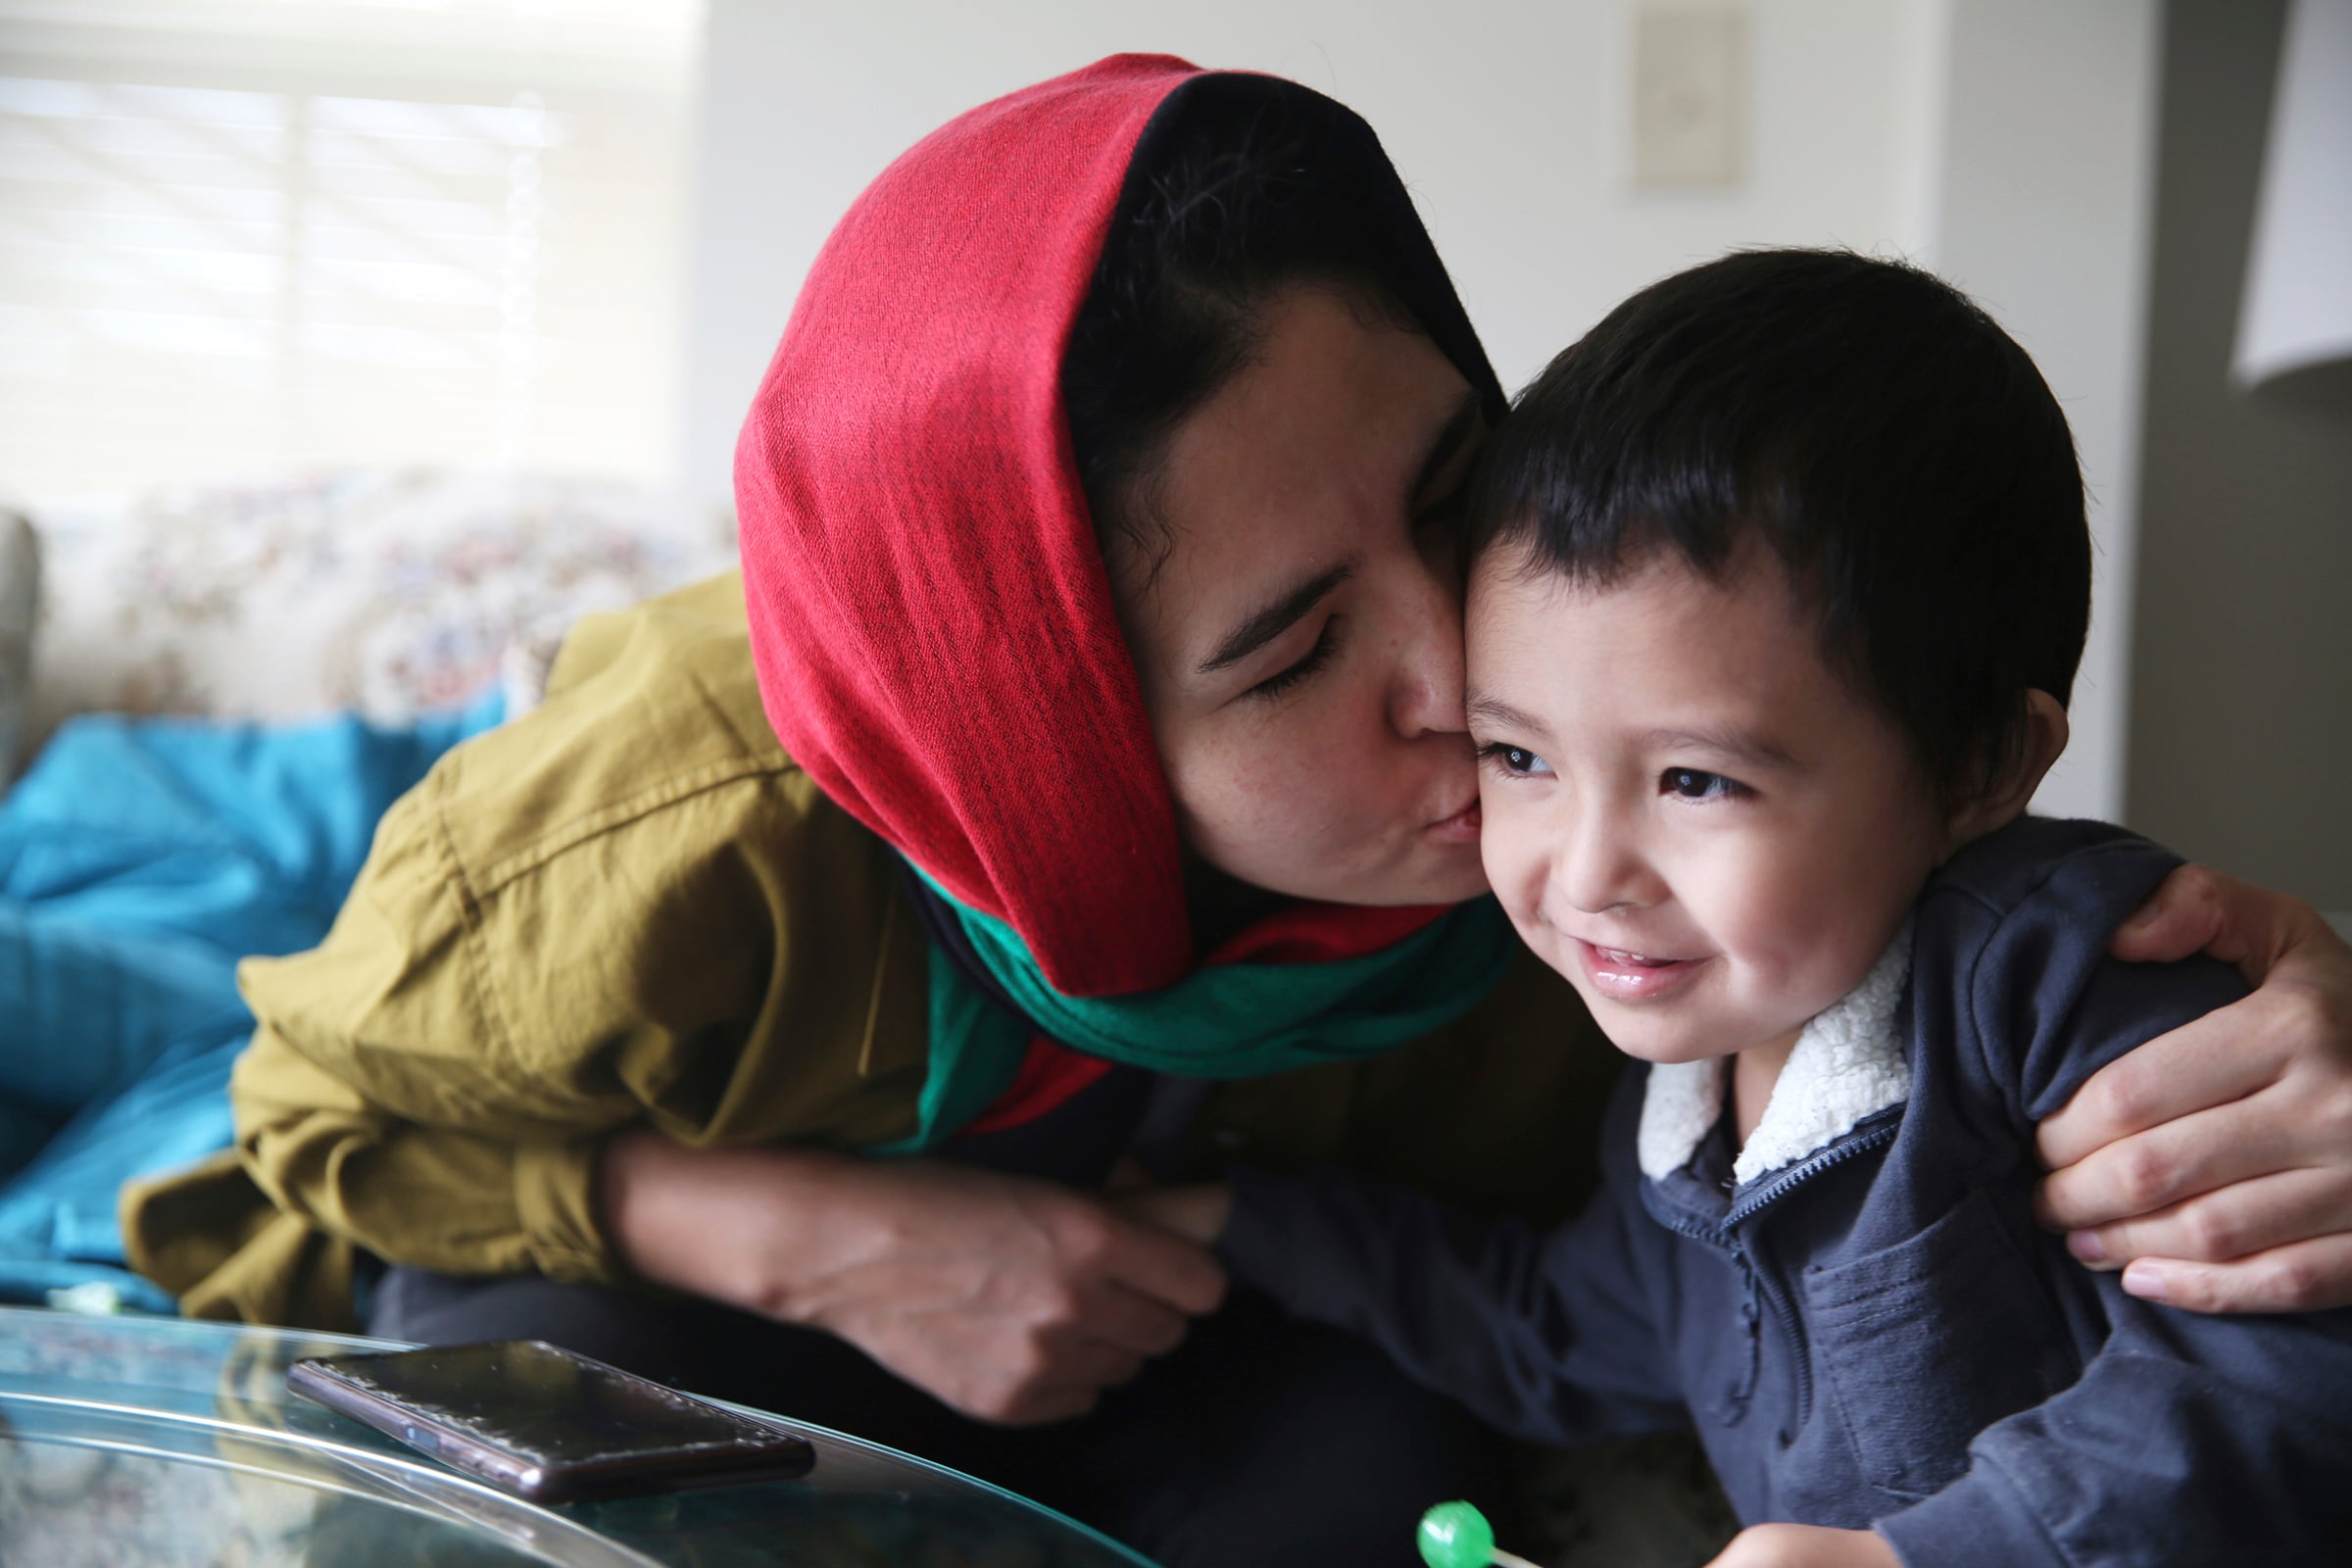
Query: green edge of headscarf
point(1227, 1020)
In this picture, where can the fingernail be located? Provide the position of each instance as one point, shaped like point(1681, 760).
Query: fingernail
point(2147, 1281)
point(2086, 1247)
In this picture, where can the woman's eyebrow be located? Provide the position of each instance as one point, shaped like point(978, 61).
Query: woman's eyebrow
point(1261, 626)
point(1464, 422)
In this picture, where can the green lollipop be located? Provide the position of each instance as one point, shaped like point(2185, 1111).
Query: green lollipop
point(1455, 1535)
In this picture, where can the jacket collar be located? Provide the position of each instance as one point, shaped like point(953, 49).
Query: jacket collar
point(1848, 1063)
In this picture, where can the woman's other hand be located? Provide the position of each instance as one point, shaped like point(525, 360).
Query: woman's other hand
point(1806, 1546)
point(1012, 1300)
point(1196, 1210)
point(2216, 1160)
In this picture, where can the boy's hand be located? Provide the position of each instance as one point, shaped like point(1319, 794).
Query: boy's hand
point(1806, 1546)
point(1197, 1212)
point(2217, 1159)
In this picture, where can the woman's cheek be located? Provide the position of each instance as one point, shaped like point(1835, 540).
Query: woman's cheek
point(1299, 810)
point(1242, 801)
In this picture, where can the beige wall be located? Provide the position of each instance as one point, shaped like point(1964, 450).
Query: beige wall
point(2242, 688)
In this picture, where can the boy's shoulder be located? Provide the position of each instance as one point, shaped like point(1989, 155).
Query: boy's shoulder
point(2009, 952)
point(2043, 858)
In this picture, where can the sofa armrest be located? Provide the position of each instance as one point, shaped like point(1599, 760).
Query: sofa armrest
point(19, 602)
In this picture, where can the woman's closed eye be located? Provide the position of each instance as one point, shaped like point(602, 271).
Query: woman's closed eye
point(1516, 760)
point(1697, 784)
point(1327, 643)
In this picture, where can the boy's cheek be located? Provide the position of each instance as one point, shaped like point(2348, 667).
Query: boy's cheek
point(1514, 863)
point(1533, 934)
point(1503, 849)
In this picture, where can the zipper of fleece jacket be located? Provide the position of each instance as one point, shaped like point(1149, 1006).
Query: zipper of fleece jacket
point(1861, 1142)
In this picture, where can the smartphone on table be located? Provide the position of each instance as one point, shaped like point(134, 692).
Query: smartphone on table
point(548, 1424)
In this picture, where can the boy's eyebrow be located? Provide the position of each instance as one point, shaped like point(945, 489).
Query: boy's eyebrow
point(1738, 744)
point(1278, 616)
point(1463, 423)
point(1498, 713)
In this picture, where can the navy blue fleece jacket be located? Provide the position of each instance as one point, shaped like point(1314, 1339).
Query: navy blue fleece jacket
point(1872, 1332)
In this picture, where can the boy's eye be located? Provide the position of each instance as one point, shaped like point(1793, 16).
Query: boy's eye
point(1696, 784)
point(1514, 759)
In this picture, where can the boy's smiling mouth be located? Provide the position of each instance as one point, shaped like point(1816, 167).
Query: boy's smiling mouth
point(1624, 975)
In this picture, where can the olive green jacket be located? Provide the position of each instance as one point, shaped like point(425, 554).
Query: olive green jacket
point(630, 906)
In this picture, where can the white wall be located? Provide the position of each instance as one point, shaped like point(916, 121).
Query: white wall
point(2038, 200)
point(1507, 120)
point(2006, 142)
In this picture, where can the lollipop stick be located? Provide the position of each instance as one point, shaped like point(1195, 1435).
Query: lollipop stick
point(1510, 1559)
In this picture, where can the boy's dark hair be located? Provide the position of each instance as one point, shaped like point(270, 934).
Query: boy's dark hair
point(1894, 450)
point(1240, 186)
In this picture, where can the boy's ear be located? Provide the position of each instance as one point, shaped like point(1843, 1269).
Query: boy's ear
point(2004, 799)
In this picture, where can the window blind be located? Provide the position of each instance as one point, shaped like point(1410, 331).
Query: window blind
point(243, 236)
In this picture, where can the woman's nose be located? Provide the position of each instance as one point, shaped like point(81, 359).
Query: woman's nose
point(1426, 685)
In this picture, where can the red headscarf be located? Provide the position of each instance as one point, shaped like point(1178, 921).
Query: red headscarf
point(930, 615)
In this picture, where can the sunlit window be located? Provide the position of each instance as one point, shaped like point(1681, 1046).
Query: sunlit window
point(240, 237)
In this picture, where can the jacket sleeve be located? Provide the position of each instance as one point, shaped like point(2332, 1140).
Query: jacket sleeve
point(1547, 1335)
point(437, 1196)
point(2188, 1438)
point(545, 945)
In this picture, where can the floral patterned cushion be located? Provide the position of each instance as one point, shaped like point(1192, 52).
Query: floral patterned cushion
point(387, 592)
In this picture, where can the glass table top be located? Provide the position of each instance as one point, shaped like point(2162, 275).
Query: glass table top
point(159, 1440)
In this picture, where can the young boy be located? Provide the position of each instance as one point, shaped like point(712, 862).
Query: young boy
point(1782, 583)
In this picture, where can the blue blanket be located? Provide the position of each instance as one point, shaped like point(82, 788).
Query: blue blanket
point(139, 860)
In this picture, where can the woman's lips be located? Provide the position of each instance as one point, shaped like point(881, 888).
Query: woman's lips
point(1627, 976)
point(1461, 826)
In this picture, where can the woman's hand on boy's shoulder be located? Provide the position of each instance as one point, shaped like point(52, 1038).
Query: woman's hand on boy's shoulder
point(2216, 1160)
point(1806, 1546)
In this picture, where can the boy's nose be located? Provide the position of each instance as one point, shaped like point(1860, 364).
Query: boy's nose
point(1599, 867)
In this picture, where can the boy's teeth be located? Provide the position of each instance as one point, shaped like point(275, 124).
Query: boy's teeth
point(1638, 960)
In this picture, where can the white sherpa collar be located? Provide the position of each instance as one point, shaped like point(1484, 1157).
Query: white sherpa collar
point(1847, 1064)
